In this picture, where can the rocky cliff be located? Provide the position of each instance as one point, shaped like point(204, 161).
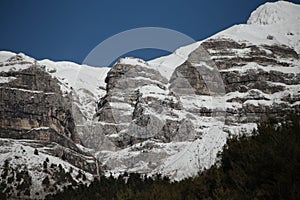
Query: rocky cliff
point(36, 116)
point(173, 114)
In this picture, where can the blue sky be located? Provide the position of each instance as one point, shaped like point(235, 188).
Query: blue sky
point(69, 30)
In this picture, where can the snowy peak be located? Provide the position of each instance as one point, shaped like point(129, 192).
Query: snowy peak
point(273, 13)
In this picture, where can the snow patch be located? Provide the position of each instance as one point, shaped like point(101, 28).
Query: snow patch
point(6, 79)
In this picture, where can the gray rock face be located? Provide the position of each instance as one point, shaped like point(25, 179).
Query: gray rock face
point(263, 55)
point(267, 84)
point(34, 111)
point(139, 98)
point(186, 72)
point(115, 77)
point(34, 100)
point(232, 84)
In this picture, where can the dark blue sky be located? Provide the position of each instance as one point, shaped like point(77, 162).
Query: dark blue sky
point(69, 30)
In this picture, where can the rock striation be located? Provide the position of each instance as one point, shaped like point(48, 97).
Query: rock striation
point(35, 114)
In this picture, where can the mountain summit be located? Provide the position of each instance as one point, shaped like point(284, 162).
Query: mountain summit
point(275, 13)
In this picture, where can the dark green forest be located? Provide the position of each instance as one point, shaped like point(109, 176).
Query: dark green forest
point(265, 165)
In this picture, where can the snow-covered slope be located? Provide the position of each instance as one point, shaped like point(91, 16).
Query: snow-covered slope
point(24, 169)
point(167, 64)
point(271, 23)
point(78, 76)
point(87, 83)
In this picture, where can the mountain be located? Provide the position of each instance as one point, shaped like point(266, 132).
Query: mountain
point(171, 115)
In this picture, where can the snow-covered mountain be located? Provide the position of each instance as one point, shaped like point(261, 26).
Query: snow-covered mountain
point(171, 115)
point(175, 118)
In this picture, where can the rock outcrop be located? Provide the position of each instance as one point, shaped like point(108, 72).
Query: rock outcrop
point(34, 99)
point(35, 114)
point(258, 78)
